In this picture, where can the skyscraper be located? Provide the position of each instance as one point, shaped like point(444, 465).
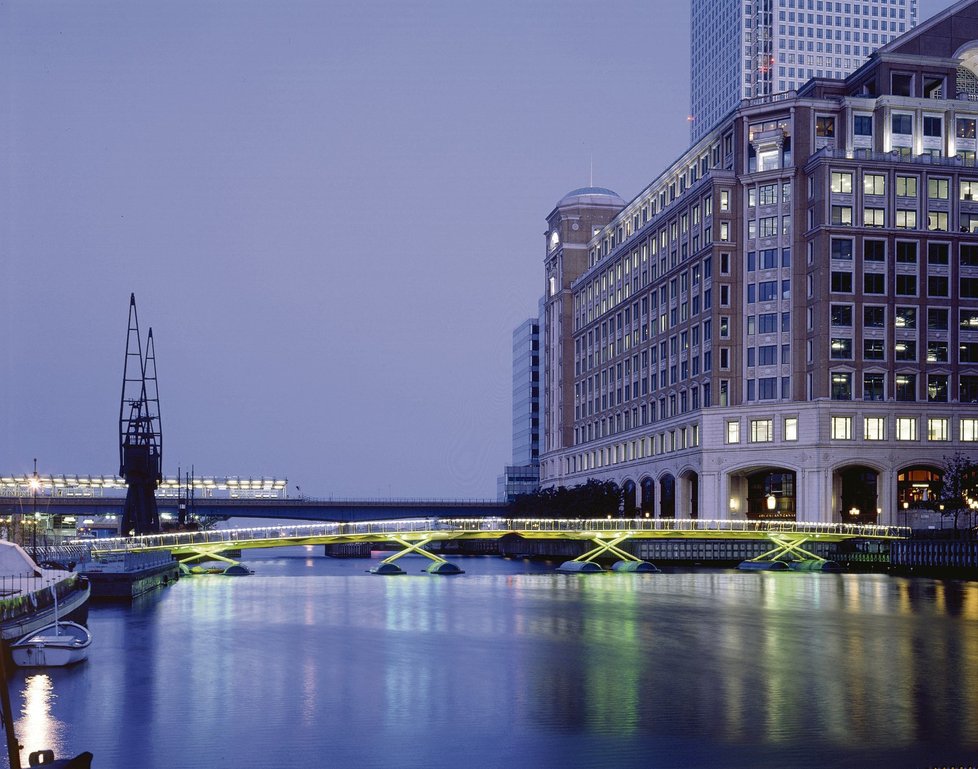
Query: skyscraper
point(523, 476)
point(745, 49)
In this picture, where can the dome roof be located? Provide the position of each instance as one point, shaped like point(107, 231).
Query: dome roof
point(592, 195)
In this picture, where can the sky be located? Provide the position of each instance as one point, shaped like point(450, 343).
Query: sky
point(331, 215)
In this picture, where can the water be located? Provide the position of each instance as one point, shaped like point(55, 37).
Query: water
point(312, 662)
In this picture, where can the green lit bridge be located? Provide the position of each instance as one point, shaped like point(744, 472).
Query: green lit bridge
point(608, 536)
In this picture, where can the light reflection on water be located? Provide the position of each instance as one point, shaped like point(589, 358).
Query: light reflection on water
point(511, 664)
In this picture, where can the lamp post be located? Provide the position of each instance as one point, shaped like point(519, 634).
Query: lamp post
point(34, 484)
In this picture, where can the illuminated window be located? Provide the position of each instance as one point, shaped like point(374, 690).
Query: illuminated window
point(906, 186)
point(906, 428)
point(733, 432)
point(969, 430)
point(874, 428)
point(842, 428)
point(761, 430)
point(937, 429)
point(841, 182)
point(874, 184)
point(791, 428)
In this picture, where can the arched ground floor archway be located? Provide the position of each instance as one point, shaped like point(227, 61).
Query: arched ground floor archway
point(856, 491)
point(667, 496)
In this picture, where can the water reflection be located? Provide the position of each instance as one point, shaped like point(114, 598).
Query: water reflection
point(720, 669)
point(36, 728)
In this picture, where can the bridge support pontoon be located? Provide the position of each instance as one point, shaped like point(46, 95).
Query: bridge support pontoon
point(387, 567)
point(788, 553)
point(586, 563)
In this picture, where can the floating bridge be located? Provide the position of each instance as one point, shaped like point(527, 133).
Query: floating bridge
point(607, 535)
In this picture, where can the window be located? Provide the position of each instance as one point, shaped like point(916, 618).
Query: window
point(969, 429)
point(937, 429)
point(873, 282)
point(937, 319)
point(841, 314)
point(874, 428)
point(901, 84)
point(733, 432)
point(840, 348)
point(874, 184)
point(906, 428)
point(969, 189)
point(824, 127)
point(968, 352)
point(874, 316)
point(791, 428)
point(874, 250)
point(905, 349)
point(841, 248)
point(937, 221)
point(937, 388)
point(873, 385)
point(874, 217)
point(906, 285)
point(906, 219)
point(873, 349)
point(937, 352)
point(906, 253)
point(767, 355)
point(724, 200)
point(767, 290)
point(969, 389)
point(761, 430)
point(767, 323)
point(933, 126)
point(965, 128)
point(842, 216)
point(937, 285)
point(842, 182)
point(968, 320)
point(906, 317)
point(767, 388)
point(937, 253)
point(901, 124)
point(841, 282)
point(906, 387)
point(906, 186)
point(842, 428)
point(937, 189)
point(841, 386)
point(862, 125)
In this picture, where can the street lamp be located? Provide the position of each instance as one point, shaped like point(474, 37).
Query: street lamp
point(35, 483)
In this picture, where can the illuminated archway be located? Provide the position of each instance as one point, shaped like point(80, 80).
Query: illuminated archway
point(858, 494)
point(667, 496)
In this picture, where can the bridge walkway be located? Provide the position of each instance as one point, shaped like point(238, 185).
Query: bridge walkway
point(606, 534)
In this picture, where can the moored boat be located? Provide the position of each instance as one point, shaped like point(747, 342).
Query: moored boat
point(55, 645)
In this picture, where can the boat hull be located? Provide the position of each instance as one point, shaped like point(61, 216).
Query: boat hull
point(56, 645)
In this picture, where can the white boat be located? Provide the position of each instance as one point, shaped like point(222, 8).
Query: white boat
point(56, 645)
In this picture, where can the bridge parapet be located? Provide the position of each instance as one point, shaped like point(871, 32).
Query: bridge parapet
point(489, 527)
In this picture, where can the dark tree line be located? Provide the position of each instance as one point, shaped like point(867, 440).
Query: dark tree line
point(594, 499)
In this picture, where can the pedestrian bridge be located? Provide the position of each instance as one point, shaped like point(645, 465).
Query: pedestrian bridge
point(412, 535)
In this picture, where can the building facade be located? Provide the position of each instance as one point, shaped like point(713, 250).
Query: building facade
point(783, 324)
point(744, 49)
point(523, 476)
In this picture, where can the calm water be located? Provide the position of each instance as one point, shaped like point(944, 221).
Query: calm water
point(312, 662)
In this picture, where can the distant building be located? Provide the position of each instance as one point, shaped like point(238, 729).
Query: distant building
point(784, 323)
point(523, 476)
point(744, 49)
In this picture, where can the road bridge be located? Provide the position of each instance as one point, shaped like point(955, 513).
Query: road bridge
point(607, 536)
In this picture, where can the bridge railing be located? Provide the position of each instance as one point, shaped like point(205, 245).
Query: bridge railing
point(490, 524)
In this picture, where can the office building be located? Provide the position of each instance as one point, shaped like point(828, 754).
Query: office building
point(523, 476)
point(784, 323)
point(745, 49)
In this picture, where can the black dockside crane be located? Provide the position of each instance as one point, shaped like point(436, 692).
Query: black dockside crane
point(140, 432)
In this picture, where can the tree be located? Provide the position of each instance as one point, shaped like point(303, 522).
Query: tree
point(594, 499)
point(959, 486)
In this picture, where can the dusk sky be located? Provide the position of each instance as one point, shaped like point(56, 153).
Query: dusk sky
point(331, 214)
